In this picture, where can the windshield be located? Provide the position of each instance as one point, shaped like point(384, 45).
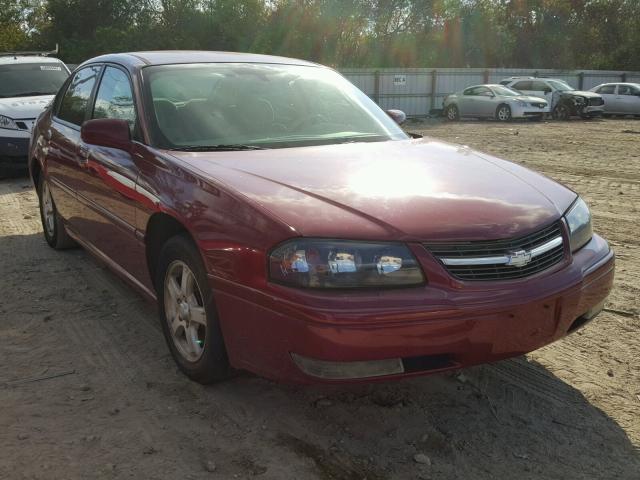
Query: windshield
point(31, 79)
point(259, 105)
point(505, 91)
point(560, 85)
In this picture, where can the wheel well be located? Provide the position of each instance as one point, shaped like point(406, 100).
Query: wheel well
point(36, 170)
point(160, 228)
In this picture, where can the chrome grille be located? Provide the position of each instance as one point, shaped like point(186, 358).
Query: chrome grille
point(502, 259)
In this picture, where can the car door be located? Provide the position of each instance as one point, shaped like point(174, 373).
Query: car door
point(468, 103)
point(486, 102)
point(523, 86)
point(540, 89)
point(108, 188)
point(608, 93)
point(63, 162)
point(628, 99)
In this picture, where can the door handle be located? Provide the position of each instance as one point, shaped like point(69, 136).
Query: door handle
point(83, 155)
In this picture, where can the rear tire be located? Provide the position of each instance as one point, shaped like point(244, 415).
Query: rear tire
point(452, 113)
point(503, 113)
point(53, 227)
point(188, 313)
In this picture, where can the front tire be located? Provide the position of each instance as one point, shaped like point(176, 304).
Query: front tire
point(53, 227)
point(561, 112)
point(503, 113)
point(452, 113)
point(188, 314)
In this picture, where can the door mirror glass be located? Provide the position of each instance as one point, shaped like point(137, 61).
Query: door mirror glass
point(398, 116)
point(107, 132)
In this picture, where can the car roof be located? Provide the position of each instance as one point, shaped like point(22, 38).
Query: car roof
point(618, 83)
point(15, 59)
point(168, 57)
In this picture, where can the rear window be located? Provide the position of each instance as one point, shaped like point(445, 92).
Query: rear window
point(31, 79)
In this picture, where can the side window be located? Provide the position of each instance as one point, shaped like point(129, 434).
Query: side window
point(538, 86)
point(627, 90)
point(607, 89)
point(473, 91)
point(485, 92)
point(73, 106)
point(526, 85)
point(115, 98)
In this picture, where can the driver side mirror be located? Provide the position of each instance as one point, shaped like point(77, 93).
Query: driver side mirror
point(107, 132)
point(398, 116)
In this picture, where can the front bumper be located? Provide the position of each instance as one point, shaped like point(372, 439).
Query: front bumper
point(308, 337)
point(593, 111)
point(14, 148)
point(528, 111)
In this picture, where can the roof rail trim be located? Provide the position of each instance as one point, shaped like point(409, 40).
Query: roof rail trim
point(31, 53)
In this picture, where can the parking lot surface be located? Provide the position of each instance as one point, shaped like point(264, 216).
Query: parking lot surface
point(89, 390)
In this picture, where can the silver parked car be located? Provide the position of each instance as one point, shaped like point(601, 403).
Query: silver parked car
point(620, 98)
point(493, 101)
point(564, 100)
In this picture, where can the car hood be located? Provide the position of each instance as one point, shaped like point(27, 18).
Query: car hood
point(582, 93)
point(413, 190)
point(20, 108)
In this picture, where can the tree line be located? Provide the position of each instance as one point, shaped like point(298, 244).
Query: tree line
point(588, 34)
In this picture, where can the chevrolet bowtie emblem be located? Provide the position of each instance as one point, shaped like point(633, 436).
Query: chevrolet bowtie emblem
point(518, 258)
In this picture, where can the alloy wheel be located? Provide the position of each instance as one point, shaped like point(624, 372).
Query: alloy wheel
point(184, 311)
point(48, 211)
point(504, 113)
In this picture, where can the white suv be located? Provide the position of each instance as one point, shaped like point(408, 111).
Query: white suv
point(565, 101)
point(28, 83)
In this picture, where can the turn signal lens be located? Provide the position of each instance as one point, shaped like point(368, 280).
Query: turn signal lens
point(579, 220)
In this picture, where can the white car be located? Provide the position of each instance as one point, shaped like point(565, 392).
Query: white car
point(493, 101)
point(28, 83)
point(564, 100)
point(620, 98)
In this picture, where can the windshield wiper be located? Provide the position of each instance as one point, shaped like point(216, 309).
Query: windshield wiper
point(32, 94)
point(216, 148)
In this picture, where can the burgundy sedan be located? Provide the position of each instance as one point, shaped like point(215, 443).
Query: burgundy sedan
point(287, 226)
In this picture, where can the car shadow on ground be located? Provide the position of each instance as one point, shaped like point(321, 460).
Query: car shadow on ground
point(63, 312)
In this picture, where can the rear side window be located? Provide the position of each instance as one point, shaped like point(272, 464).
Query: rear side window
point(627, 90)
point(115, 98)
point(607, 89)
point(526, 85)
point(73, 106)
point(473, 91)
point(538, 86)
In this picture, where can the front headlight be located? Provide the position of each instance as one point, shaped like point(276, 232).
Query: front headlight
point(578, 219)
point(9, 123)
point(319, 263)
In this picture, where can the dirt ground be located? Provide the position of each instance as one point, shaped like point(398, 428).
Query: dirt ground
point(88, 389)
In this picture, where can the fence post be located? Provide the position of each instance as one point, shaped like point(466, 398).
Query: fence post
point(376, 87)
point(434, 82)
point(623, 77)
point(580, 80)
point(486, 76)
